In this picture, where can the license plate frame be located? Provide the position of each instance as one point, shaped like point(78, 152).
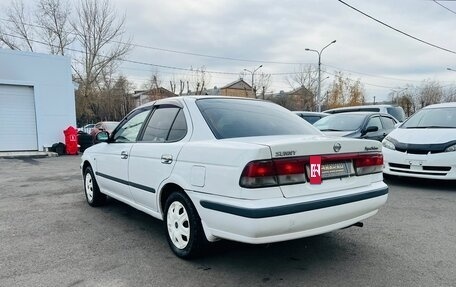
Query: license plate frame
point(337, 169)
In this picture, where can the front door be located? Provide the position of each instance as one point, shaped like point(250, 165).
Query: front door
point(112, 159)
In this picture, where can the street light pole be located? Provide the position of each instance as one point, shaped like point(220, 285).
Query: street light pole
point(319, 72)
point(253, 78)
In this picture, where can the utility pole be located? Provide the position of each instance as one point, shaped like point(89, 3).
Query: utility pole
point(319, 72)
point(253, 78)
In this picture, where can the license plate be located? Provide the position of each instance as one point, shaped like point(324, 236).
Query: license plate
point(336, 169)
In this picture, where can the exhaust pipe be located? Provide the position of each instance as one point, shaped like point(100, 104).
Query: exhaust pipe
point(357, 224)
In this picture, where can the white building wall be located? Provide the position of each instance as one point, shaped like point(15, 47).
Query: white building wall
point(50, 77)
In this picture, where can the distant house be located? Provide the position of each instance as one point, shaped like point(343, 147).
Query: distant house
point(238, 88)
point(145, 96)
point(300, 99)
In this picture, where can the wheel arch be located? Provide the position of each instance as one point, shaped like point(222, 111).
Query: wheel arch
point(165, 192)
point(85, 165)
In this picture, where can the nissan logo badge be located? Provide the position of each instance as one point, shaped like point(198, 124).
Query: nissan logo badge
point(337, 147)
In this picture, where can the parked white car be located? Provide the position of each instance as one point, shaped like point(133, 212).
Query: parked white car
point(425, 145)
point(237, 169)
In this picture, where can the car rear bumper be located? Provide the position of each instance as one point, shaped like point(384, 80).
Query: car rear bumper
point(280, 219)
point(432, 166)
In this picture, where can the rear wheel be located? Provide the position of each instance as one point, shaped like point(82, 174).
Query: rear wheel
point(184, 231)
point(92, 192)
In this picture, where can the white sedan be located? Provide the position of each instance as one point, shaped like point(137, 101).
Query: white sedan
point(239, 169)
point(425, 145)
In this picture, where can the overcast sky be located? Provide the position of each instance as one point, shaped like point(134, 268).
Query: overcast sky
point(279, 31)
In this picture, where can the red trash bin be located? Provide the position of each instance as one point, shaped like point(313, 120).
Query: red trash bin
point(71, 140)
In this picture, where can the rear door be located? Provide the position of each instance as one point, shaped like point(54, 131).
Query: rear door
point(154, 155)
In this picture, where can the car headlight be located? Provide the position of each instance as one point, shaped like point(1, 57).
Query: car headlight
point(388, 144)
point(451, 148)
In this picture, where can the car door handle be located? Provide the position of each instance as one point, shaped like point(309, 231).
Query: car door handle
point(123, 155)
point(166, 158)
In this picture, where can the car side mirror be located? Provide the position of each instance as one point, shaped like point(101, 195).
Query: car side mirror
point(370, 129)
point(102, 136)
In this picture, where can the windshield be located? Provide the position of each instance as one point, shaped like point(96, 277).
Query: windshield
point(110, 126)
point(340, 122)
point(432, 118)
point(231, 118)
point(397, 113)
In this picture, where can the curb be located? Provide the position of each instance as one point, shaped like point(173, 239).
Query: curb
point(36, 154)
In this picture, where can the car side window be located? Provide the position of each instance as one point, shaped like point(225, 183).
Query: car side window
point(166, 124)
point(388, 123)
point(129, 131)
point(375, 122)
point(179, 128)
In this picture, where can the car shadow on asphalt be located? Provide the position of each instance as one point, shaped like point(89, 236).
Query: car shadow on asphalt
point(301, 254)
point(422, 183)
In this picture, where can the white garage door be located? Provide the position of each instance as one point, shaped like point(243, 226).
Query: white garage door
point(17, 118)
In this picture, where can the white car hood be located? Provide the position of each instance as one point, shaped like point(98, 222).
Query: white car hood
point(423, 136)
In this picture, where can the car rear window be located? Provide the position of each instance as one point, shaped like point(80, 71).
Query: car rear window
point(341, 122)
point(231, 118)
point(397, 113)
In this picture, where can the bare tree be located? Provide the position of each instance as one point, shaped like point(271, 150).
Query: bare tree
point(172, 85)
point(99, 30)
point(17, 30)
point(450, 94)
point(181, 87)
point(262, 83)
point(200, 80)
point(53, 17)
point(304, 76)
point(154, 82)
point(431, 92)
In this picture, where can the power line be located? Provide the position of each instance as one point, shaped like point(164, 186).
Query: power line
point(397, 30)
point(370, 75)
point(364, 83)
point(185, 52)
point(226, 58)
point(206, 71)
point(445, 7)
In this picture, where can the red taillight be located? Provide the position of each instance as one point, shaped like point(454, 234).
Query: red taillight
point(289, 166)
point(259, 169)
point(368, 163)
point(273, 172)
point(259, 174)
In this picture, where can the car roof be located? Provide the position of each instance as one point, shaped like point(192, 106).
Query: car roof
point(442, 105)
point(362, 107)
point(311, 113)
point(178, 99)
point(362, 113)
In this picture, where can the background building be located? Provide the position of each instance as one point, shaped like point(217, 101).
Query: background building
point(36, 100)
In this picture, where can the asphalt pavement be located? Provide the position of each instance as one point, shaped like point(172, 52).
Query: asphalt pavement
point(49, 236)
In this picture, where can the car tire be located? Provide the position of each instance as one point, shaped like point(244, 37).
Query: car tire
point(183, 227)
point(91, 190)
